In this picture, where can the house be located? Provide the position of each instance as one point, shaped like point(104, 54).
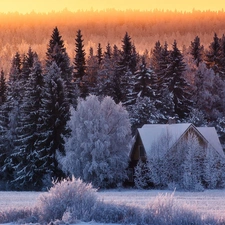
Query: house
point(154, 141)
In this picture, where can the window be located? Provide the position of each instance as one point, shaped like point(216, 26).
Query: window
point(141, 151)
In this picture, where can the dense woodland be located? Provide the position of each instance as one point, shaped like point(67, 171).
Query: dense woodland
point(38, 95)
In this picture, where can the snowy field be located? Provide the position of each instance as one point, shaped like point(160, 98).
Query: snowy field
point(207, 202)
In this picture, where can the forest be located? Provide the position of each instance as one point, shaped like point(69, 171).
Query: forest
point(46, 100)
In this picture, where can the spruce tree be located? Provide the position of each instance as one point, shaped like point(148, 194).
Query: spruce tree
point(163, 97)
point(99, 54)
point(196, 51)
point(213, 54)
point(106, 74)
point(79, 59)
point(155, 57)
point(90, 80)
point(56, 52)
point(178, 85)
point(27, 64)
point(108, 52)
point(10, 116)
point(3, 88)
point(222, 58)
point(55, 114)
point(126, 66)
point(28, 172)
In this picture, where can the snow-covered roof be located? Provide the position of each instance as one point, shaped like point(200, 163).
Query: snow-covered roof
point(210, 134)
point(169, 134)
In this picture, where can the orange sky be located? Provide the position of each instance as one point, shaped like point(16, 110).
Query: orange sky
point(26, 6)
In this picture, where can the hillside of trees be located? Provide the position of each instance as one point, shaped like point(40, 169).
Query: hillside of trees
point(154, 86)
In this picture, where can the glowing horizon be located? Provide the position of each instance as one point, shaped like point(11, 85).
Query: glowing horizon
point(45, 6)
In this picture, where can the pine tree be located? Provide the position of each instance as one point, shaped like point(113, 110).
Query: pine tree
point(196, 50)
point(55, 114)
point(126, 66)
point(205, 80)
point(3, 88)
point(163, 97)
point(27, 64)
point(213, 54)
point(108, 52)
point(177, 84)
point(9, 117)
point(156, 56)
point(142, 175)
point(144, 81)
point(79, 60)
point(106, 74)
point(56, 52)
point(90, 80)
point(222, 58)
point(28, 172)
point(99, 54)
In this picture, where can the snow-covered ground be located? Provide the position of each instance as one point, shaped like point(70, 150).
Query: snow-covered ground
point(207, 202)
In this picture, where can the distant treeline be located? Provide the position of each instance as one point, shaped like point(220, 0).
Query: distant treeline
point(18, 32)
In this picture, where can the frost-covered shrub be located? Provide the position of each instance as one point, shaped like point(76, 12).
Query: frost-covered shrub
point(164, 210)
point(68, 195)
point(108, 213)
point(17, 215)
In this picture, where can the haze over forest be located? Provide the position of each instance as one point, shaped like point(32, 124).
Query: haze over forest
point(18, 32)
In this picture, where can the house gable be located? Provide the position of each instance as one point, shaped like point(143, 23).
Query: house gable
point(158, 139)
point(138, 150)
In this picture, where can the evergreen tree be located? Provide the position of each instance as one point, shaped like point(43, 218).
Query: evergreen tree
point(126, 66)
point(156, 56)
point(142, 112)
point(27, 64)
point(3, 88)
point(55, 114)
point(9, 117)
point(144, 83)
point(177, 84)
point(222, 58)
point(56, 52)
point(90, 80)
point(106, 74)
point(79, 60)
point(196, 51)
point(99, 54)
point(163, 97)
point(108, 52)
point(142, 175)
point(28, 172)
point(213, 54)
point(208, 88)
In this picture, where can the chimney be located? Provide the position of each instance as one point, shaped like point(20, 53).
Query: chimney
point(171, 120)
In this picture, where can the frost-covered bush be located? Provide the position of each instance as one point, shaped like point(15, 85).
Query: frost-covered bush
point(24, 215)
point(108, 213)
point(72, 196)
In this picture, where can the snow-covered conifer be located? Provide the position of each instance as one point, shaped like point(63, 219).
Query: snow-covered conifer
point(142, 175)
